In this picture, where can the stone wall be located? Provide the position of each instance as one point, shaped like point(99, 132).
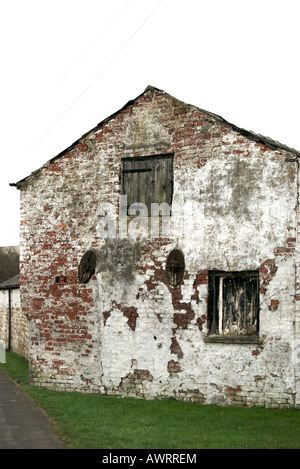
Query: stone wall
point(129, 331)
point(19, 335)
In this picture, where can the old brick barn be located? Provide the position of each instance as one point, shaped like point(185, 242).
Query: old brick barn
point(160, 258)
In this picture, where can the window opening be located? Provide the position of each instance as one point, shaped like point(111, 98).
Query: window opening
point(234, 303)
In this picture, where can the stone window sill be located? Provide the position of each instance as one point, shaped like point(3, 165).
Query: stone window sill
point(233, 339)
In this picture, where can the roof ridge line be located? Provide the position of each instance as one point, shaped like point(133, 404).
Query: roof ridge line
point(248, 133)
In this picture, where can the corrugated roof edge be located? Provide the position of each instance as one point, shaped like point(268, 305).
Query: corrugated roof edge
point(11, 283)
point(269, 142)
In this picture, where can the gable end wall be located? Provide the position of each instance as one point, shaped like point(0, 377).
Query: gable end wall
point(128, 331)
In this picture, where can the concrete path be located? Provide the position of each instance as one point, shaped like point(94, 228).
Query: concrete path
point(23, 425)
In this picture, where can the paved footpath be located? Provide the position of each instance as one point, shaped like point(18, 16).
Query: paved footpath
point(23, 425)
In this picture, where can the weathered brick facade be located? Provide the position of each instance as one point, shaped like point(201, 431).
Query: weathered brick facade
point(129, 330)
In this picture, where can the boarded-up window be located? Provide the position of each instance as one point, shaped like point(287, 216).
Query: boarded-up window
point(148, 180)
point(234, 303)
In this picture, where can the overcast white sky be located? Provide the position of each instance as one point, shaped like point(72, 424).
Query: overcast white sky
point(68, 64)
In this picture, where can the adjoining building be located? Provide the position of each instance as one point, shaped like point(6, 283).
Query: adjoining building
point(14, 326)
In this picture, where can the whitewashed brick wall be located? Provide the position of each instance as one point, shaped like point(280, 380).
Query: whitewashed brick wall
point(128, 331)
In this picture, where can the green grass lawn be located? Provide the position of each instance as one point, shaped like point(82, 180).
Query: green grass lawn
point(89, 421)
